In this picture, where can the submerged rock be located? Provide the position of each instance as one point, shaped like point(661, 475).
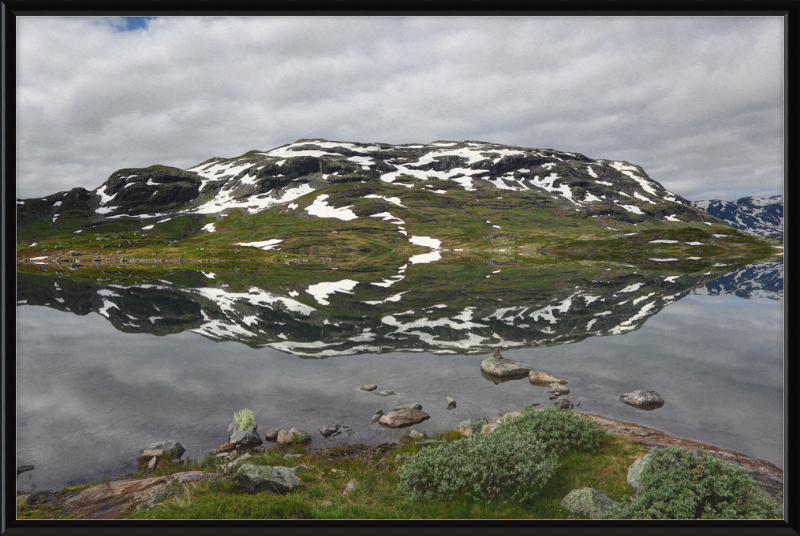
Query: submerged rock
point(403, 417)
point(643, 399)
point(408, 406)
point(258, 478)
point(384, 393)
point(23, 468)
point(329, 429)
point(369, 387)
point(451, 403)
point(587, 501)
point(376, 417)
point(563, 403)
point(558, 389)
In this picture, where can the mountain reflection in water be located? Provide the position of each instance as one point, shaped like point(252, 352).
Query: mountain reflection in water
point(488, 306)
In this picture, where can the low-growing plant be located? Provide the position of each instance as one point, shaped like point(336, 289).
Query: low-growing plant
point(557, 430)
point(682, 484)
point(244, 419)
point(484, 467)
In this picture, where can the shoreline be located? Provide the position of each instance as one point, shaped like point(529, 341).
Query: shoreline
point(767, 476)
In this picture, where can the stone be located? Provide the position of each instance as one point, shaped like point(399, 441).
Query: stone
point(543, 379)
point(408, 406)
point(369, 387)
point(384, 393)
point(508, 416)
point(293, 437)
point(227, 447)
point(170, 447)
point(23, 468)
point(292, 456)
point(471, 426)
point(587, 501)
point(297, 469)
point(376, 417)
point(382, 464)
point(271, 435)
point(153, 463)
point(258, 478)
point(427, 442)
point(488, 428)
point(350, 487)
point(643, 399)
point(416, 435)
point(451, 403)
point(107, 501)
point(505, 368)
point(259, 448)
point(558, 389)
point(403, 418)
point(635, 473)
point(329, 429)
point(563, 403)
point(248, 438)
point(326, 504)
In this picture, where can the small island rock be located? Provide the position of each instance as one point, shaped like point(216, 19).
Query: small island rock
point(369, 387)
point(402, 418)
point(504, 368)
point(643, 399)
point(543, 379)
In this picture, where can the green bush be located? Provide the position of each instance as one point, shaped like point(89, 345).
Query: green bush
point(483, 467)
point(245, 419)
point(557, 430)
point(682, 484)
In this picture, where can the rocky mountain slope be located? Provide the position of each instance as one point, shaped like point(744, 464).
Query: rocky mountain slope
point(355, 181)
point(755, 215)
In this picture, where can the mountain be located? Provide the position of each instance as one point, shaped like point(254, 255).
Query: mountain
point(761, 280)
point(758, 216)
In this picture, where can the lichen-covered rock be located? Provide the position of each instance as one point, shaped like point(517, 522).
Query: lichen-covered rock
point(505, 368)
point(403, 417)
point(558, 389)
point(543, 379)
point(471, 426)
point(587, 501)
point(635, 473)
point(643, 399)
point(258, 478)
point(246, 438)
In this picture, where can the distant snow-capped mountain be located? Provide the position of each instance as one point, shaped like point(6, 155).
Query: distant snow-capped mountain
point(760, 280)
point(758, 216)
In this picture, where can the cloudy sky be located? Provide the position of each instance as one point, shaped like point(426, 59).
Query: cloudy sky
point(696, 101)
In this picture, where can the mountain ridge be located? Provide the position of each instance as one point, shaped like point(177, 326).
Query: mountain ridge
point(759, 216)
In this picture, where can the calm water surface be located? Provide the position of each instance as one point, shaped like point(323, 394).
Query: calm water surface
point(90, 396)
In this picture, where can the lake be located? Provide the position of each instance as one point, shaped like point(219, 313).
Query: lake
point(103, 369)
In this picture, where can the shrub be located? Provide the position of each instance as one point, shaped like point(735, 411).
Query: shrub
point(483, 467)
point(244, 419)
point(557, 430)
point(682, 484)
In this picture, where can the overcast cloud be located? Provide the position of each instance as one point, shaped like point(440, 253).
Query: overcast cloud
point(696, 101)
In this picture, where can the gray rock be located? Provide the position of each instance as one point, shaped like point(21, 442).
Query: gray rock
point(299, 469)
point(427, 442)
point(153, 462)
point(351, 487)
point(370, 387)
point(248, 438)
point(408, 406)
point(272, 434)
point(258, 478)
point(382, 464)
point(259, 448)
point(403, 418)
point(643, 399)
point(376, 417)
point(471, 426)
point(292, 456)
point(635, 473)
point(563, 403)
point(168, 447)
point(384, 393)
point(416, 435)
point(329, 429)
point(505, 368)
point(451, 403)
point(587, 501)
point(558, 389)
